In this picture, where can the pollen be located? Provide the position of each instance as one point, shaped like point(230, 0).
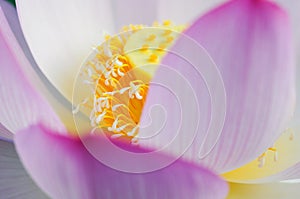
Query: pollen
point(153, 58)
point(120, 85)
point(169, 39)
point(144, 47)
point(262, 158)
point(167, 32)
point(167, 23)
point(151, 37)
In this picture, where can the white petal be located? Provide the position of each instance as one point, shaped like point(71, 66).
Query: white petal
point(21, 104)
point(60, 35)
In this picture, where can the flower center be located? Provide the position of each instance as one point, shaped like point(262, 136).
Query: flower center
point(120, 72)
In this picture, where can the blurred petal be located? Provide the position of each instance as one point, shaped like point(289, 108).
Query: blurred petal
point(64, 168)
point(21, 105)
point(14, 180)
point(60, 104)
point(264, 191)
point(251, 45)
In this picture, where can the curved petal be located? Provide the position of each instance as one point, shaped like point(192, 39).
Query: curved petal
point(60, 104)
point(14, 180)
point(21, 105)
point(292, 6)
point(264, 191)
point(61, 34)
point(251, 45)
point(64, 168)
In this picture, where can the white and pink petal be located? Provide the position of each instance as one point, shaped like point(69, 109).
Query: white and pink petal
point(21, 104)
point(64, 168)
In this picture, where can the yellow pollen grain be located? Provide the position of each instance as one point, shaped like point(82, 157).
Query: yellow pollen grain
point(167, 32)
point(155, 24)
point(132, 27)
point(162, 47)
point(153, 58)
point(144, 47)
point(169, 39)
point(125, 28)
point(107, 37)
point(167, 23)
point(272, 149)
point(151, 37)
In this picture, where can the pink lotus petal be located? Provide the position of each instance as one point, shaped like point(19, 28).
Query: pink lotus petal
point(250, 43)
point(21, 105)
point(292, 7)
point(61, 106)
point(65, 169)
point(11, 16)
point(14, 180)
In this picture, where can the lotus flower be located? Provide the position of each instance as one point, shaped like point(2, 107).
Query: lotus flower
point(235, 84)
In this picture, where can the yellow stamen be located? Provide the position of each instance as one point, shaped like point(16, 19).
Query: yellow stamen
point(261, 159)
point(167, 23)
point(121, 87)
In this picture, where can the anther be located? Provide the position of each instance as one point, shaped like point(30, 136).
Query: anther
point(167, 32)
point(151, 37)
point(169, 39)
point(153, 58)
point(144, 47)
point(167, 23)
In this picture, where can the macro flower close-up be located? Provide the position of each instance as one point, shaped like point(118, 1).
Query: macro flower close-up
point(136, 99)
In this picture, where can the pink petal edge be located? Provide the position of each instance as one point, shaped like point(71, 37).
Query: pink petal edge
point(64, 168)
